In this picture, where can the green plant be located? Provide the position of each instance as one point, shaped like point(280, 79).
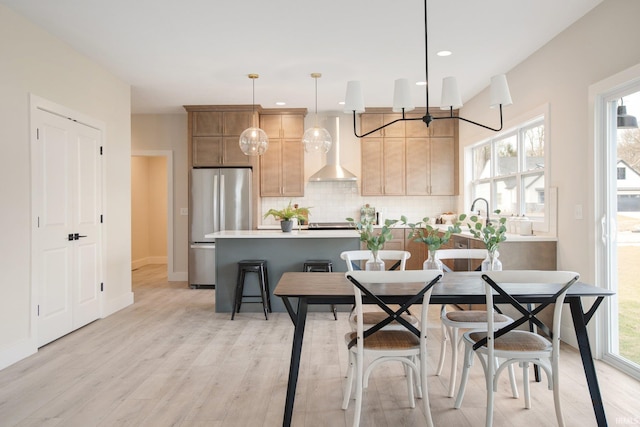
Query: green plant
point(375, 238)
point(492, 234)
point(423, 232)
point(288, 213)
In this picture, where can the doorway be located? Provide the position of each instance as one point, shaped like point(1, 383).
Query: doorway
point(617, 198)
point(151, 215)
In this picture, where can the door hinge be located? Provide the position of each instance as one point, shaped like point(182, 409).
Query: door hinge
point(101, 219)
point(101, 150)
point(101, 286)
point(38, 310)
point(37, 133)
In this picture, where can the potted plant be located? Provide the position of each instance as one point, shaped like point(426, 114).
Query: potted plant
point(287, 214)
point(424, 232)
point(375, 238)
point(491, 234)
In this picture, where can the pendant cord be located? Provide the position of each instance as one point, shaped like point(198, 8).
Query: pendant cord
point(426, 54)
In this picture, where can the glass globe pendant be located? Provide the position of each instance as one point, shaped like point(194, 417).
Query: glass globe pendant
point(253, 140)
point(316, 139)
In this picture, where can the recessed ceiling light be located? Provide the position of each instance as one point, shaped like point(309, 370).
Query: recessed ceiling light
point(421, 83)
point(341, 103)
point(281, 103)
point(444, 53)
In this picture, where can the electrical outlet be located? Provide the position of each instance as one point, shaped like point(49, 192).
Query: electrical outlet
point(184, 211)
point(577, 211)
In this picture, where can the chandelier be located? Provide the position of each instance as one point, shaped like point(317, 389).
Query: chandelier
point(253, 140)
point(450, 100)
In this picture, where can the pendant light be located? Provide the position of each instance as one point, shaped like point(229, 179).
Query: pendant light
point(450, 99)
point(316, 139)
point(626, 121)
point(253, 140)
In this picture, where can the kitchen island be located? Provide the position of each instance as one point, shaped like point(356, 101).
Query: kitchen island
point(282, 251)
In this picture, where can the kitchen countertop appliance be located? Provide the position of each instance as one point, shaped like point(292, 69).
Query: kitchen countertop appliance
point(220, 200)
point(331, 225)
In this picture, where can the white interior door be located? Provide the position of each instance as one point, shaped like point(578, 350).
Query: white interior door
point(67, 237)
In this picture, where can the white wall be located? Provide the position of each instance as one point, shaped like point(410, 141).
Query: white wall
point(150, 132)
point(33, 62)
point(602, 43)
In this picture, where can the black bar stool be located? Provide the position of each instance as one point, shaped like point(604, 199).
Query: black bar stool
point(321, 265)
point(258, 266)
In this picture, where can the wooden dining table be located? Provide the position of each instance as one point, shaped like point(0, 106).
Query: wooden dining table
point(299, 290)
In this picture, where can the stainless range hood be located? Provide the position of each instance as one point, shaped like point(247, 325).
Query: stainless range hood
point(332, 171)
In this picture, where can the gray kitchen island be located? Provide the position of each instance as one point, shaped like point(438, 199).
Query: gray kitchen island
point(282, 251)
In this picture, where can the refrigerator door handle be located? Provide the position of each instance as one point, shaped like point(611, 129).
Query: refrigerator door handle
point(216, 202)
point(222, 209)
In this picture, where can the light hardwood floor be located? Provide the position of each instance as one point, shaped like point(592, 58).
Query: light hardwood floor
point(170, 360)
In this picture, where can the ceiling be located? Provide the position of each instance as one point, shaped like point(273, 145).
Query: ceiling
point(191, 52)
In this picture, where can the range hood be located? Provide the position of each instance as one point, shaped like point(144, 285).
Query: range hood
point(332, 171)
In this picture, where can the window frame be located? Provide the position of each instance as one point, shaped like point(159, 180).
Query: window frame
point(539, 117)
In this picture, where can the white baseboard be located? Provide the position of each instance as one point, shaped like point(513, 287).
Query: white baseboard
point(16, 352)
point(178, 276)
point(148, 260)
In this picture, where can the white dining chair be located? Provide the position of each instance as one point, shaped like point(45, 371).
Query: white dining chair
point(454, 320)
point(514, 346)
point(376, 345)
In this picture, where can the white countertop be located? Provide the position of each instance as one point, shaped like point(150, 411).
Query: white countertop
point(279, 234)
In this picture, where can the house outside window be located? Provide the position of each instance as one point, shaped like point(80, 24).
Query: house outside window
point(509, 170)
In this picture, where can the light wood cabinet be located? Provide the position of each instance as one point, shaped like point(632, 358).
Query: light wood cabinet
point(214, 132)
point(282, 166)
point(408, 158)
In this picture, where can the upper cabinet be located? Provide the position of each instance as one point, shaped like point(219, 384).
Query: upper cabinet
point(282, 166)
point(407, 157)
point(214, 132)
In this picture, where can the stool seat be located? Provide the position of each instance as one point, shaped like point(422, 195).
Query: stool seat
point(258, 266)
point(320, 265)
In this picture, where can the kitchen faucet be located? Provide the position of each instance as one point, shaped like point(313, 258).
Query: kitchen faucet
point(487, 203)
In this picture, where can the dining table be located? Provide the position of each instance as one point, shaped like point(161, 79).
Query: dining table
point(300, 290)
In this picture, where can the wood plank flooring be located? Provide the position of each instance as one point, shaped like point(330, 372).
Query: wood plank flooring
point(170, 360)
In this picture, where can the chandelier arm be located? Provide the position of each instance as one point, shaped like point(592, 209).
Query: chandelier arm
point(355, 132)
point(472, 122)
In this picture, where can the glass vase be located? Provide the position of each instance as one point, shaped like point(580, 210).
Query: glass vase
point(491, 262)
point(432, 262)
point(375, 263)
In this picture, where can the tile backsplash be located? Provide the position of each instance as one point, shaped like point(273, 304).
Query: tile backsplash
point(335, 201)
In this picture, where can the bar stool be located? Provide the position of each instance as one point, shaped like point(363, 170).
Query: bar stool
point(321, 265)
point(258, 266)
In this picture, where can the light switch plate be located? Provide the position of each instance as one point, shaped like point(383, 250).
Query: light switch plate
point(577, 211)
point(184, 211)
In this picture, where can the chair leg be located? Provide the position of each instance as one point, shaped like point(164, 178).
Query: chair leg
point(425, 388)
point(418, 382)
point(468, 362)
point(349, 383)
point(359, 378)
point(410, 385)
point(514, 384)
point(525, 380)
point(443, 348)
point(454, 360)
point(556, 393)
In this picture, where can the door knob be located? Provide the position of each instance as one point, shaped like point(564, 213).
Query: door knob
point(77, 236)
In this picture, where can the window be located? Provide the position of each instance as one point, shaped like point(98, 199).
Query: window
point(509, 170)
point(622, 173)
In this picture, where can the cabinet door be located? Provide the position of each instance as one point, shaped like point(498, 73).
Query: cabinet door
point(418, 160)
point(416, 128)
point(394, 166)
point(439, 128)
point(232, 155)
point(271, 124)
point(207, 123)
point(395, 130)
point(292, 126)
point(235, 122)
point(372, 169)
point(443, 176)
point(207, 151)
point(418, 252)
point(270, 167)
point(292, 168)
point(368, 122)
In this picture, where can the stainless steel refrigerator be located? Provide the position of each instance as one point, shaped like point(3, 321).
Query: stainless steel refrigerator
point(220, 200)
